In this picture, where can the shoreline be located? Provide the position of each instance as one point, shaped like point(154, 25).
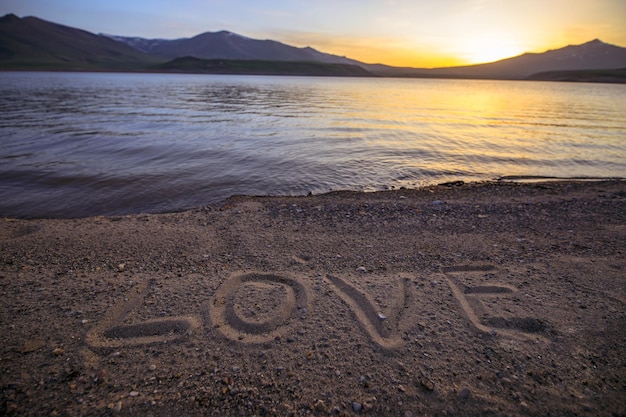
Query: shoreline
point(512, 180)
point(603, 76)
point(461, 299)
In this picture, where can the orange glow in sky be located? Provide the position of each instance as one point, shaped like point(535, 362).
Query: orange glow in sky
point(417, 33)
point(463, 32)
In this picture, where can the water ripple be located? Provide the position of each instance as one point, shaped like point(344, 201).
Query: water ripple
point(86, 144)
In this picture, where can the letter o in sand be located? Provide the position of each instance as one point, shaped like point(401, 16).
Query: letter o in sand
point(255, 307)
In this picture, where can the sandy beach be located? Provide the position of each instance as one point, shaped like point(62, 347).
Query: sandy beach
point(489, 299)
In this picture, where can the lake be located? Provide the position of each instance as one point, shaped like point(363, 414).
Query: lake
point(81, 144)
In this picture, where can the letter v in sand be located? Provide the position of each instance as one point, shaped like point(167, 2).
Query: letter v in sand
point(386, 331)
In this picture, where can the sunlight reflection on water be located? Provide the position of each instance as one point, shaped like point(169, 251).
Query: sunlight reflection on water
point(84, 144)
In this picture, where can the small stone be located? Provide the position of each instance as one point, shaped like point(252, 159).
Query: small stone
point(401, 388)
point(236, 369)
point(57, 351)
point(361, 269)
point(408, 414)
point(464, 393)
point(357, 406)
point(121, 267)
point(152, 367)
point(117, 407)
point(427, 384)
point(381, 316)
point(134, 393)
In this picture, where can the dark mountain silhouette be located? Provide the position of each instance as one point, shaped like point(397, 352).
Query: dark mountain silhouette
point(228, 45)
point(34, 43)
point(594, 55)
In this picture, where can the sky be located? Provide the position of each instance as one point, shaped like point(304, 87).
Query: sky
point(416, 33)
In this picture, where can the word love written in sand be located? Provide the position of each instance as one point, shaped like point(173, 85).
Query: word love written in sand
point(280, 302)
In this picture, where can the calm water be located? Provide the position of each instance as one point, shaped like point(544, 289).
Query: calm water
point(86, 144)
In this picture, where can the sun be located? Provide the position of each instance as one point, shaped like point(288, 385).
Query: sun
point(487, 48)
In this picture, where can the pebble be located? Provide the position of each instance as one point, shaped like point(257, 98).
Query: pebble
point(121, 267)
point(57, 351)
point(361, 269)
point(134, 393)
point(464, 393)
point(152, 367)
point(427, 384)
point(357, 406)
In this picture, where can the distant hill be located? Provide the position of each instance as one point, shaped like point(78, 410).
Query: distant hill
point(594, 55)
point(262, 67)
point(34, 43)
point(228, 45)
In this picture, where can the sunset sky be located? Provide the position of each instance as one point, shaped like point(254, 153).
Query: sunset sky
point(417, 33)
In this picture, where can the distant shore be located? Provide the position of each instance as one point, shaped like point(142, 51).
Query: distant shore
point(617, 76)
point(457, 299)
point(314, 69)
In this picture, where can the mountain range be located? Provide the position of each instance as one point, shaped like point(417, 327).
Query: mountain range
point(32, 43)
point(228, 45)
point(593, 55)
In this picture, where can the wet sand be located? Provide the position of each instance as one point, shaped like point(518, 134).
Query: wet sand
point(473, 300)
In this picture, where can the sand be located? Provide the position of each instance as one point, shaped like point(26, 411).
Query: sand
point(471, 300)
